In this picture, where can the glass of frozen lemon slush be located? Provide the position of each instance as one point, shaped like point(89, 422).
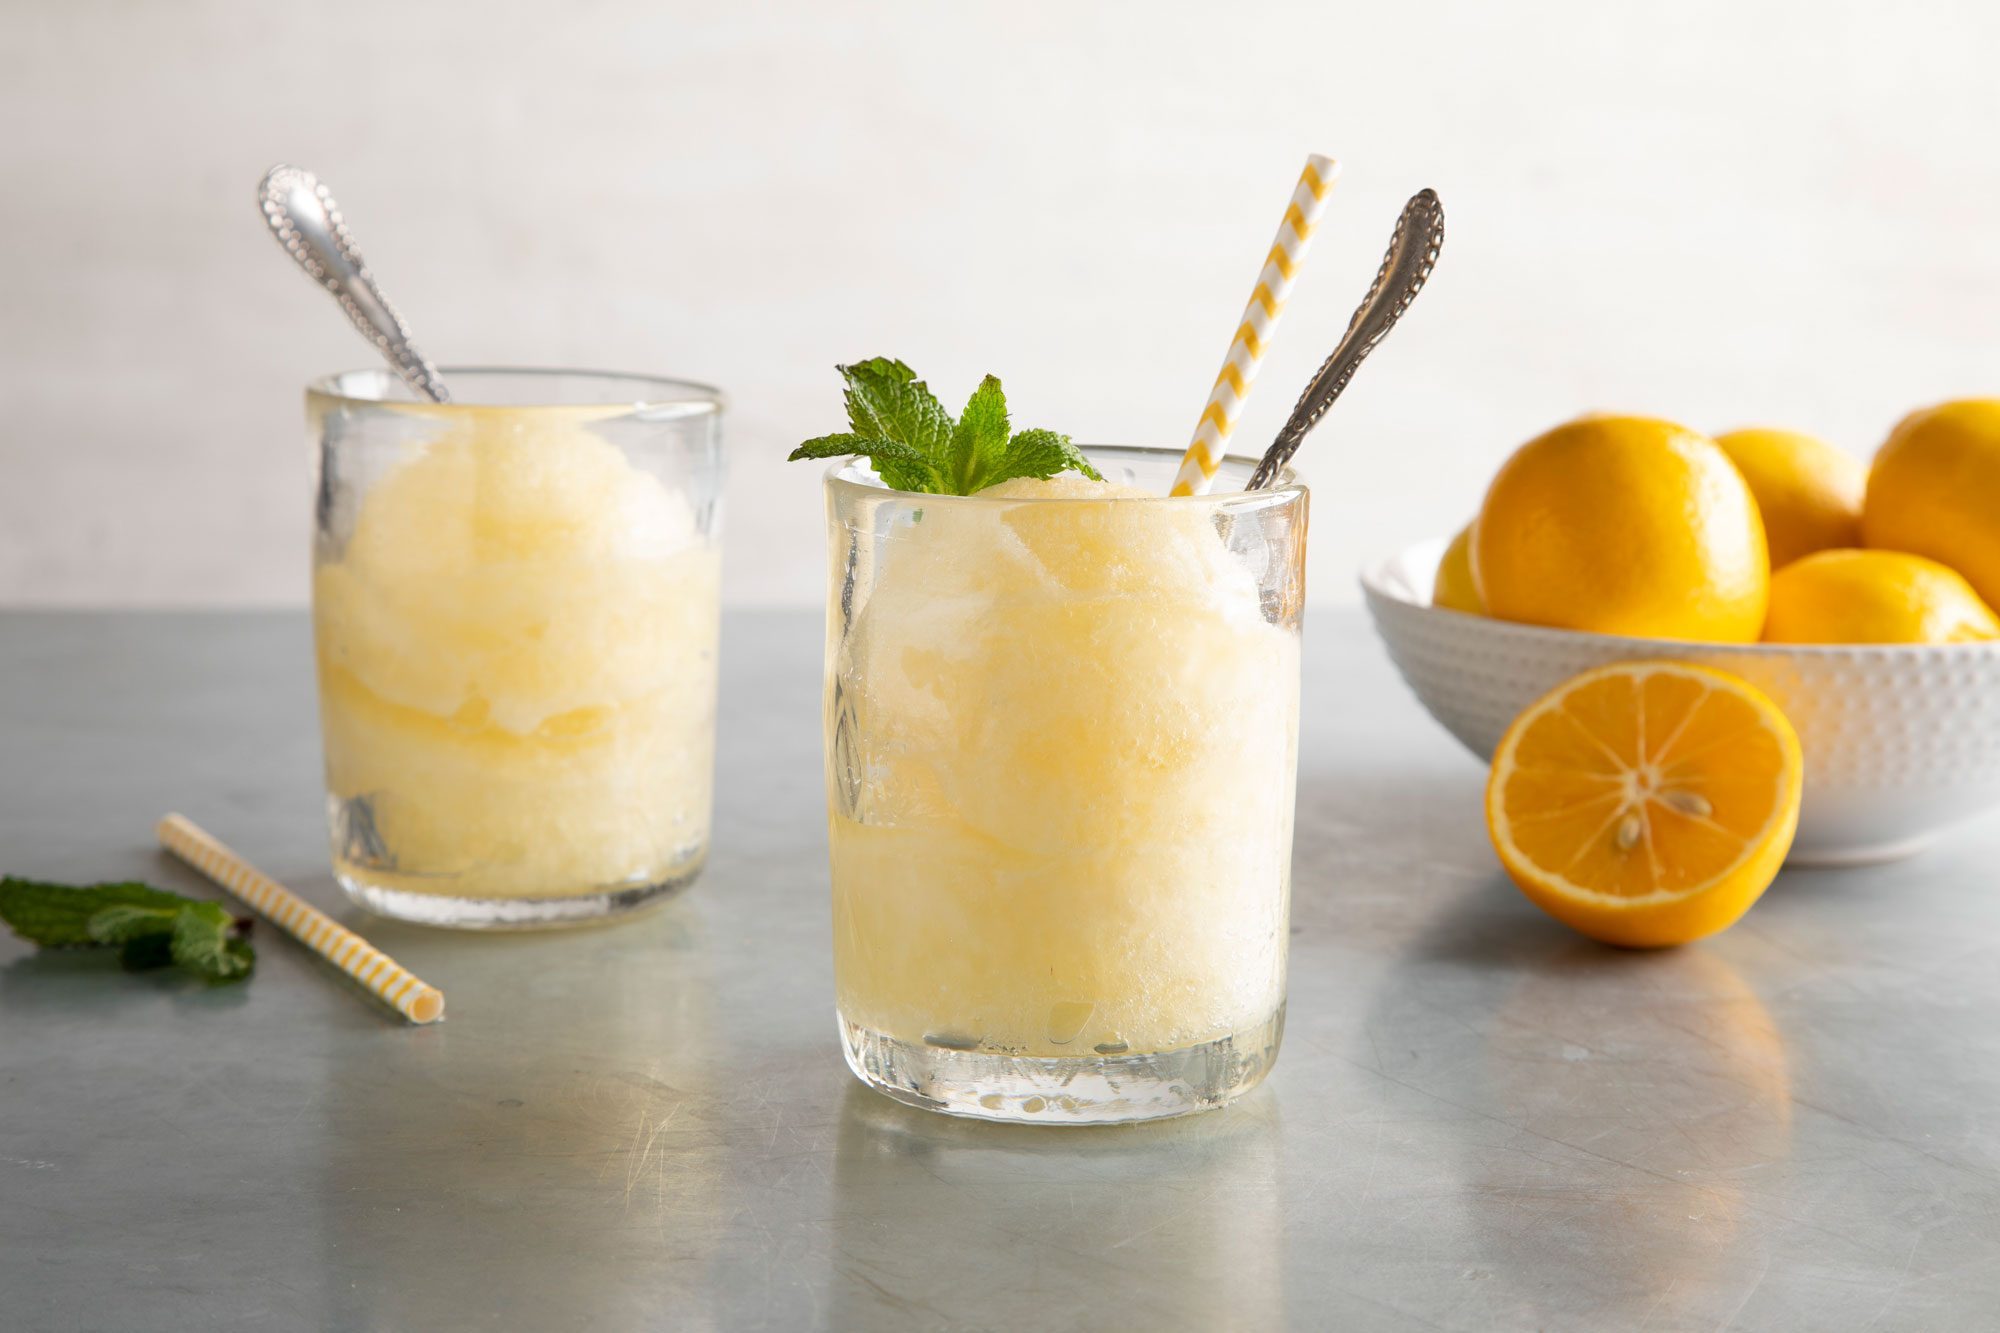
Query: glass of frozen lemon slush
point(515, 608)
point(1062, 725)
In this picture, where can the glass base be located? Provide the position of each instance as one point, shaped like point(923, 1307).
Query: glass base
point(1065, 1090)
point(585, 909)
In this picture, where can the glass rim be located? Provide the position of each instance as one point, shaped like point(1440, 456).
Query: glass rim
point(691, 397)
point(1289, 484)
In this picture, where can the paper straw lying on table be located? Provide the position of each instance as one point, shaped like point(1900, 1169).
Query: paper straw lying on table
point(375, 970)
point(1253, 334)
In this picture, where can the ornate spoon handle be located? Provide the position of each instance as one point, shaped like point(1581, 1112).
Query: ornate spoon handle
point(307, 222)
point(1413, 250)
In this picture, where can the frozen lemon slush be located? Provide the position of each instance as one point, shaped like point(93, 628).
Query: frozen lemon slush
point(517, 646)
point(1064, 747)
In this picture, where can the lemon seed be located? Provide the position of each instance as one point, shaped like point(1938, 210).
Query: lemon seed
point(1692, 804)
point(1630, 830)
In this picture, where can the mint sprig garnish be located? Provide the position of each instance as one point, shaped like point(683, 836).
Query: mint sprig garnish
point(149, 927)
point(897, 423)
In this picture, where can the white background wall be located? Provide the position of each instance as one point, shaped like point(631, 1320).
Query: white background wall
point(1721, 212)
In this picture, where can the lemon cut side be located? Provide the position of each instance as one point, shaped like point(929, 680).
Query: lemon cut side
point(1646, 803)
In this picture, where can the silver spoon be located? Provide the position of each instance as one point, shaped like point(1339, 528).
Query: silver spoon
point(307, 222)
point(1413, 251)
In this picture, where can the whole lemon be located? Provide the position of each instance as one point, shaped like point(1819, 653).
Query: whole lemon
point(1935, 490)
point(1454, 589)
point(1875, 597)
point(1624, 525)
point(1808, 492)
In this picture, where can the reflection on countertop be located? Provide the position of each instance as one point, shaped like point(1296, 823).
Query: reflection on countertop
point(1477, 1120)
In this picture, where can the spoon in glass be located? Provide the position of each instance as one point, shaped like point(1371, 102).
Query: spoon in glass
point(307, 222)
point(1413, 251)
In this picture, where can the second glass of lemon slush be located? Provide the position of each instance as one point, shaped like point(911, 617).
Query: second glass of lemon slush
point(515, 604)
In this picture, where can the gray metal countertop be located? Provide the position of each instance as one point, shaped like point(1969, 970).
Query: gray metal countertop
point(1479, 1120)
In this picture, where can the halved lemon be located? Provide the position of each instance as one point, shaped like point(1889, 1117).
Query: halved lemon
point(1646, 803)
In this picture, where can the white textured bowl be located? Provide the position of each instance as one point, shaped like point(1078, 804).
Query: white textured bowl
point(1900, 742)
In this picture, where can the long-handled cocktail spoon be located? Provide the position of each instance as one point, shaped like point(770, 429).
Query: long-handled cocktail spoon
point(1413, 250)
point(307, 222)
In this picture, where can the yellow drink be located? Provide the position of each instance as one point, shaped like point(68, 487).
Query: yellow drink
point(517, 647)
point(1061, 767)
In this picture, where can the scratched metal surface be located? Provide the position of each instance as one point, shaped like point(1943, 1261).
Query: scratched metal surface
point(1478, 1120)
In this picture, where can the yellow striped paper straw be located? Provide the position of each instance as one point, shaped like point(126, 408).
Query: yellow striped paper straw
point(1253, 335)
point(375, 970)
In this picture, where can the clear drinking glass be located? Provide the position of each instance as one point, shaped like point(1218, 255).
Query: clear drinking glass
point(1062, 741)
point(515, 606)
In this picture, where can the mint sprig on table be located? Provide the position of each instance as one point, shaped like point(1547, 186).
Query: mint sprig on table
point(149, 927)
point(898, 424)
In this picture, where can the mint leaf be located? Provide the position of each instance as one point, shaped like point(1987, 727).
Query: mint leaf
point(846, 444)
point(146, 953)
point(57, 916)
point(899, 465)
point(205, 943)
point(1043, 453)
point(886, 401)
point(130, 921)
point(979, 441)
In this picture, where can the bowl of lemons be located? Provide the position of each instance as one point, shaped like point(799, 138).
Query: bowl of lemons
point(1855, 599)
